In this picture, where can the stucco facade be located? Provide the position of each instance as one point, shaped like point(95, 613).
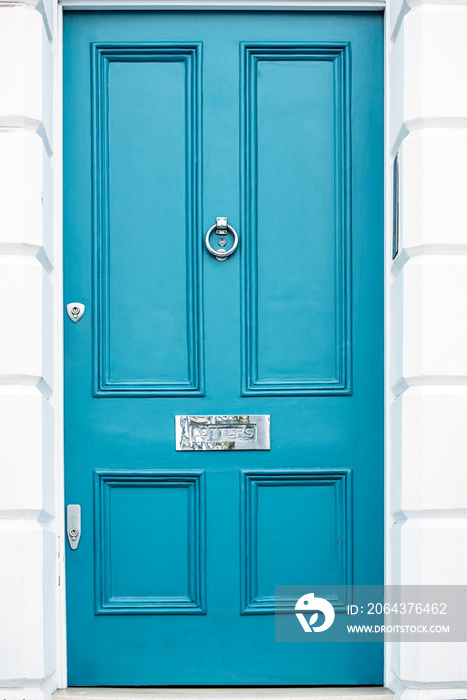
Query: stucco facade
point(426, 331)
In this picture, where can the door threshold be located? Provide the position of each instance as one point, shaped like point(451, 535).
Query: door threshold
point(214, 693)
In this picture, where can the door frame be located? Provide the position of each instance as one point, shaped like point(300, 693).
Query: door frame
point(58, 8)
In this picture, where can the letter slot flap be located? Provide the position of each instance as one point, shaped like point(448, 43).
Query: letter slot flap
point(229, 432)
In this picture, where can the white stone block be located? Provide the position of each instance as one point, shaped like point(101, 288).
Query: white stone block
point(44, 691)
point(428, 64)
point(433, 186)
point(26, 601)
point(25, 322)
point(26, 192)
point(436, 662)
point(429, 450)
point(26, 453)
point(429, 551)
point(26, 78)
point(429, 322)
point(419, 691)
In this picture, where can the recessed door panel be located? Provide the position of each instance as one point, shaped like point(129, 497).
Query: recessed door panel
point(147, 275)
point(311, 509)
point(150, 542)
point(297, 204)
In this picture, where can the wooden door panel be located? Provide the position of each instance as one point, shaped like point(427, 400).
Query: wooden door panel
point(273, 119)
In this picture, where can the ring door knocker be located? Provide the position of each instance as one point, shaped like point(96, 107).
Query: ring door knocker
point(221, 227)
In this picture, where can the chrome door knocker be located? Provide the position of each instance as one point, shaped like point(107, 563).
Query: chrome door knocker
point(222, 227)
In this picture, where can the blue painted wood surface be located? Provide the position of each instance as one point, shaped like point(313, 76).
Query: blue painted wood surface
point(275, 121)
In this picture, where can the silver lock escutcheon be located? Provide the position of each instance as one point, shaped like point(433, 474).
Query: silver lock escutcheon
point(75, 311)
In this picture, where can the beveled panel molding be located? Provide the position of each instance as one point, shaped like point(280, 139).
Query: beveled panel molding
point(106, 603)
point(104, 384)
point(339, 383)
point(252, 603)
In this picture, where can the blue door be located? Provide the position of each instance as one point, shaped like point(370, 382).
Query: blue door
point(274, 121)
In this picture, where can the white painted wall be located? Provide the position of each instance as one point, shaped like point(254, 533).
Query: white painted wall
point(30, 375)
point(426, 328)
